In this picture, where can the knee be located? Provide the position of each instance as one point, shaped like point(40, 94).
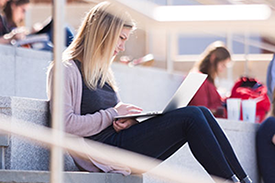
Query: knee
point(206, 112)
point(267, 125)
point(204, 109)
point(267, 129)
point(192, 111)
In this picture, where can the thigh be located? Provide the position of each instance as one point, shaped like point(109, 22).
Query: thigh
point(211, 120)
point(158, 135)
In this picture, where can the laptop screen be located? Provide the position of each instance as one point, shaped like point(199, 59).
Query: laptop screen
point(186, 91)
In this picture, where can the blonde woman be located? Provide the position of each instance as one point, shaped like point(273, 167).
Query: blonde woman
point(213, 62)
point(91, 103)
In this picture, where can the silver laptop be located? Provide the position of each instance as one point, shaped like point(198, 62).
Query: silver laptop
point(181, 98)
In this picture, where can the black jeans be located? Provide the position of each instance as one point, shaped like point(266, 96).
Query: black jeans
point(159, 137)
point(266, 150)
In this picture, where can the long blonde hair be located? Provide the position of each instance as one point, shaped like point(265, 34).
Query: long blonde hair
point(95, 43)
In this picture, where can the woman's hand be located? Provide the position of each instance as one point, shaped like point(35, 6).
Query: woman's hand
point(16, 34)
point(19, 33)
point(273, 139)
point(126, 109)
point(123, 124)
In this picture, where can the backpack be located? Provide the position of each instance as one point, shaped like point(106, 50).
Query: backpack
point(251, 88)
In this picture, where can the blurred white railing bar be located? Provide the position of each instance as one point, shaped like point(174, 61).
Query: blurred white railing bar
point(56, 164)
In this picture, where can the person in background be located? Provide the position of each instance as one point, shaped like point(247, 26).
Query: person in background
point(46, 27)
point(265, 146)
point(15, 11)
point(2, 6)
point(270, 78)
point(12, 20)
point(214, 61)
point(3, 29)
point(91, 104)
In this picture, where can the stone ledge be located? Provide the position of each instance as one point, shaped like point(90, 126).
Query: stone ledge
point(4, 140)
point(240, 126)
point(15, 176)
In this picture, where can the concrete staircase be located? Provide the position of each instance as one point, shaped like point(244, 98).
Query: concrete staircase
point(22, 161)
point(20, 176)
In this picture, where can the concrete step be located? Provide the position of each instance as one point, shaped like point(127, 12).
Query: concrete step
point(18, 176)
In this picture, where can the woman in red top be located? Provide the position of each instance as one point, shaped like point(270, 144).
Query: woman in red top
point(214, 60)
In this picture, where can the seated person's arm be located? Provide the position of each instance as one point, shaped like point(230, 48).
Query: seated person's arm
point(75, 123)
point(273, 139)
point(200, 98)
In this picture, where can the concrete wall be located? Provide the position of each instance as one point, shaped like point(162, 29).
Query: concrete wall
point(23, 72)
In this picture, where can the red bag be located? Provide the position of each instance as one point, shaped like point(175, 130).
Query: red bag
point(251, 88)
